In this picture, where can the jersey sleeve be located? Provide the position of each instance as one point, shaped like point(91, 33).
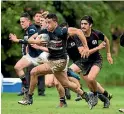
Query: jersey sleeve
point(100, 35)
point(32, 31)
point(65, 32)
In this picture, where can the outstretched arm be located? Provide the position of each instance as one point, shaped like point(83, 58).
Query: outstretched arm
point(109, 57)
point(40, 47)
point(91, 51)
point(74, 31)
point(31, 40)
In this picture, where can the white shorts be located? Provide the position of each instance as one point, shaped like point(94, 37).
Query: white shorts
point(42, 58)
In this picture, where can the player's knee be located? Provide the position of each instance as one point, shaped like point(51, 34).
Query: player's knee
point(91, 79)
point(17, 67)
point(49, 85)
point(65, 84)
point(33, 72)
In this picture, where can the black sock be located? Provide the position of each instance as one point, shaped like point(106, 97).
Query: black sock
point(62, 99)
point(81, 88)
point(30, 96)
point(95, 93)
point(105, 93)
point(24, 81)
point(84, 95)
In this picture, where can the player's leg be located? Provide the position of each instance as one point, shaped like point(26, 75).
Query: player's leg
point(74, 67)
point(103, 91)
point(61, 92)
point(19, 68)
point(92, 81)
point(62, 78)
point(42, 69)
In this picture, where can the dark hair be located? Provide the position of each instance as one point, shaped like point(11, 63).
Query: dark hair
point(64, 24)
point(88, 19)
point(37, 12)
point(26, 15)
point(52, 16)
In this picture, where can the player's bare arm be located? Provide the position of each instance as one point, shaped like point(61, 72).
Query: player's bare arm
point(74, 31)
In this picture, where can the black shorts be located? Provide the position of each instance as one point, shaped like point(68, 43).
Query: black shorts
point(85, 67)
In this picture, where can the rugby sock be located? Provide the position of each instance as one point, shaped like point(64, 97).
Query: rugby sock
point(95, 93)
point(106, 93)
point(24, 81)
point(62, 99)
point(84, 95)
point(30, 96)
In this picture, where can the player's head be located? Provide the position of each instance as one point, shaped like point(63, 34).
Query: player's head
point(25, 20)
point(43, 23)
point(52, 21)
point(37, 17)
point(64, 25)
point(86, 23)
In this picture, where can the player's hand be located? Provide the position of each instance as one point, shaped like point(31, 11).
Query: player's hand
point(102, 45)
point(44, 43)
point(13, 37)
point(80, 49)
point(109, 58)
point(85, 52)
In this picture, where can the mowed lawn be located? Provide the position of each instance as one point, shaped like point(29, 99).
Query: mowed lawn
point(47, 104)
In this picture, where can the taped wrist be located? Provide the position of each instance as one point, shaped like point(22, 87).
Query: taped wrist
point(23, 41)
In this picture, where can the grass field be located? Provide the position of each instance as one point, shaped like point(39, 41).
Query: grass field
point(47, 104)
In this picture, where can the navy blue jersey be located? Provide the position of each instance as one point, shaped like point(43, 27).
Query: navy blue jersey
point(24, 46)
point(57, 43)
point(28, 33)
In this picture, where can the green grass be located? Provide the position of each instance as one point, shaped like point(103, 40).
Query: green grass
point(47, 104)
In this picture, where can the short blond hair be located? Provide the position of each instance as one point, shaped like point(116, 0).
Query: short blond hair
point(44, 14)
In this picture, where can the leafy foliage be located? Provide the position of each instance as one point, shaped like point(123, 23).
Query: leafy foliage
point(103, 13)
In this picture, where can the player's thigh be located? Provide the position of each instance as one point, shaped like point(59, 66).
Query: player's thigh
point(93, 72)
point(62, 78)
point(75, 68)
point(22, 63)
point(42, 69)
point(72, 79)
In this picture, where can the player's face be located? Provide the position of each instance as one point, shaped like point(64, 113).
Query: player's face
point(85, 26)
point(43, 23)
point(37, 17)
point(24, 22)
point(51, 24)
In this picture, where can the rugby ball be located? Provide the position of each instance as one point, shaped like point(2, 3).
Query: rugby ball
point(44, 37)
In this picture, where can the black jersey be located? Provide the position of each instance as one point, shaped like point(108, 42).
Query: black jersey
point(28, 33)
point(57, 43)
point(92, 42)
point(38, 27)
point(73, 43)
